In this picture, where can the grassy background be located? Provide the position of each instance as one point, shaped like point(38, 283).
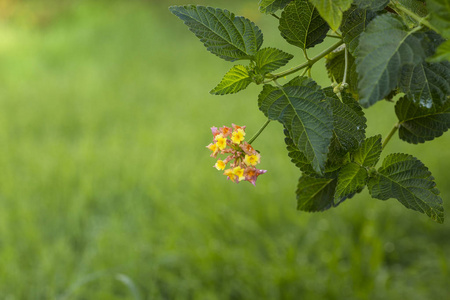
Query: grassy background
point(107, 189)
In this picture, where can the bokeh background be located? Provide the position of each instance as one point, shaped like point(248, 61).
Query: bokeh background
point(108, 192)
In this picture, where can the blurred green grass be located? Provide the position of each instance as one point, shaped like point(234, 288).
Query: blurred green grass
point(108, 192)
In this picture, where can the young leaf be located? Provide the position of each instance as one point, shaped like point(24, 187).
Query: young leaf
point(271, 6)
point(223, 34)
point(426, 83)
point(301, 25)
point(442, 53)
point(354, 23)
point(349, 123)
point(440, 16)
point(235, 80)
point(384, 49)
point(368, 154)
point(351, 179)
point(270, 59)
point(315, 194)
point(299, 106)
point(335, 65)
point(371, 4)
point(406, 179)
point(332, 10)
point(418, 123)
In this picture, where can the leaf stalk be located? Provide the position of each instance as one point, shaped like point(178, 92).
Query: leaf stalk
point(389, 136)
point(307, 64)
point(420, 20)
point(259, 131)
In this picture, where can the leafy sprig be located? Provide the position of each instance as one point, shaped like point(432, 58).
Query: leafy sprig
point(384, 48)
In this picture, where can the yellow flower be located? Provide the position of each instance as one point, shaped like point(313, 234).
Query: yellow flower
point(212, 147)
point(239, 172)
point(220, 165)
point(252, 160)
point(221, 142)
point(238, 136)
point(230, 174)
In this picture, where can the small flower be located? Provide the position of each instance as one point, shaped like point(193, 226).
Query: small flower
point(241, 155)
point(236, 127)
point(213, 148)
point(251, 174)
point(226, 131)
point(220, 165)
point(247, 148)
point(230, 174)
point(239, 172)
point(238, 136)
point(221, 142)
point(252, 160)
point(214, 131)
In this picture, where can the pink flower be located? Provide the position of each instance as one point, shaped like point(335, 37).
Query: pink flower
point(226, 131)
point(247, 148)
point(251, 174)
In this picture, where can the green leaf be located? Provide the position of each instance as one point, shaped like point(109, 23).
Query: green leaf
point(426, 83)
point(223, 34)
point(335, 65)
point(271, 6)
point(299, 105)
point(235, 80)
point(301, 25)
point(297, 157)
point(354, 23)
point(406, 179)
point(332, 10)
point(270, 59)
point(352, 178)
point(442, 53)
point(301, 162)
point(384, 49)
point(368, 154)
point(315, 194)
point(371, 4)
point(440, 16)
point(349, 123)
point(415, 6)
point(418, 123)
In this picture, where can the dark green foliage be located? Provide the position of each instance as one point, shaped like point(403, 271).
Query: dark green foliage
point(419, 123)
point(368, 154)
point(222, 33)
point(384, 49)
point(406, 179)
point(301, 25)
point(415, 6)
point(371, 4)
point(315, 194)
point(349, 123)
point(299, 106)
point(355, 22)
point(335, 64)
point(352, 178)
point(426, 83)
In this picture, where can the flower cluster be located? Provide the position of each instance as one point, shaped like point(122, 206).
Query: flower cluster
point(241, 155)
